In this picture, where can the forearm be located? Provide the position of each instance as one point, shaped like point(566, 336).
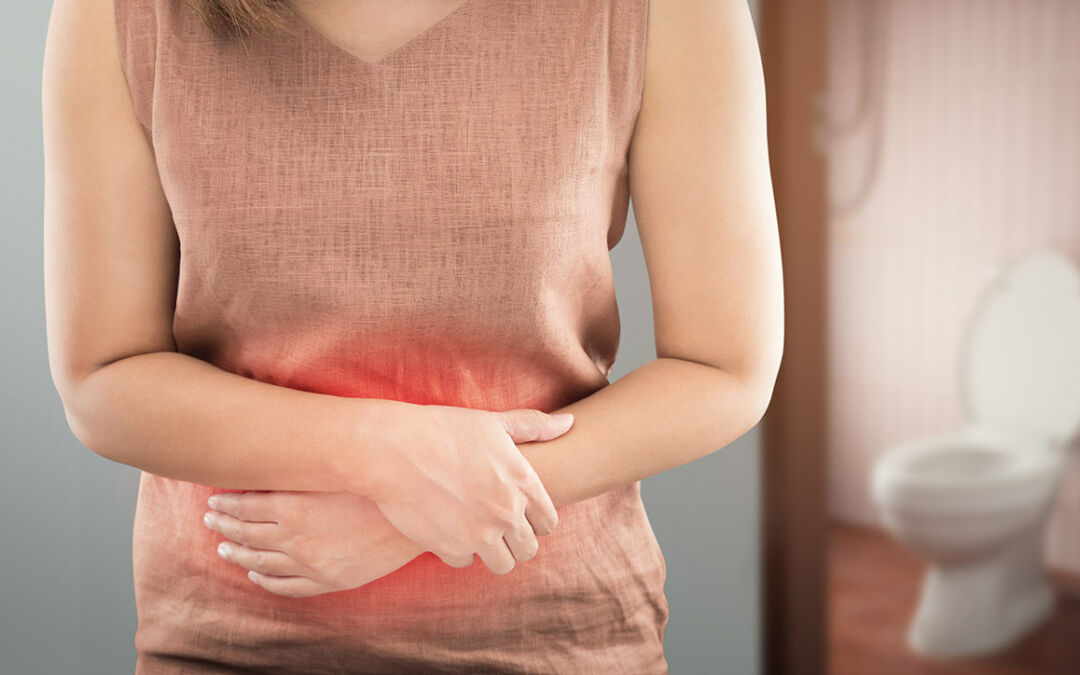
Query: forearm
point(661, 415)
point(180, 417)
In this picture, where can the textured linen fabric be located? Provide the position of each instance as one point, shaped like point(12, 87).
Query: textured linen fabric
point(432, 227)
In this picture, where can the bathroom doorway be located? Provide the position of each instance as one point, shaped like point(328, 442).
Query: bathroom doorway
point(950, 140)
point(915, 146)
point(793, 43)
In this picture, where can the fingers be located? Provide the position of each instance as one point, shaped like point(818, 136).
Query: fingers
point(540, 510)
point(264, 562)
point(497, 557)
point(458, 561)
point(516, 545)
point(522, 541)
point(250, 506)
point(528, 424)
point(293, 587)
point(255, 535)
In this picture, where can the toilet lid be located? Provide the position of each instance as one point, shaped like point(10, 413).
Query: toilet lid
point(1020, 368)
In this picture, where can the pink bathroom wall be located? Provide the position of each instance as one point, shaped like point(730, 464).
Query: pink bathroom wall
point(975, 117)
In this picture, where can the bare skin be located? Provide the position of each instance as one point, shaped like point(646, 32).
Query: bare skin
point(372, 29)
point(111, 258)
point(703, 202)
point(308, 543)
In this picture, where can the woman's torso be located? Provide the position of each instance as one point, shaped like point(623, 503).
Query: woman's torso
point(434, 228)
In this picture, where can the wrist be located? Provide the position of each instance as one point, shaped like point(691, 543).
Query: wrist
point(372, 428)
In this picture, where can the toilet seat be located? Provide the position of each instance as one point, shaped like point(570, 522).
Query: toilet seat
point(971, 471)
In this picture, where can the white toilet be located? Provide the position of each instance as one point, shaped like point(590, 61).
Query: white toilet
point(975, 502)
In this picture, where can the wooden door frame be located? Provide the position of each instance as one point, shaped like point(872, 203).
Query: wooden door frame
point(794, 460)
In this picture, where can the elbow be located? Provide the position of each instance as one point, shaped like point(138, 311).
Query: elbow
point(73, 391)
point(760, 380)
point(84, 391)
point(66, 383)
point(79, 423)
point(753, 392)
point(759, 393)
point(91, 396)
point(78, 428)
point(739, 396)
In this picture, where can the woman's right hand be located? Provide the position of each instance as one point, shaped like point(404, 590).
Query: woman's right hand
point(453, 480)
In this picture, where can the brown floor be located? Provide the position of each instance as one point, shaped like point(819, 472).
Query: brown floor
point(874, 586)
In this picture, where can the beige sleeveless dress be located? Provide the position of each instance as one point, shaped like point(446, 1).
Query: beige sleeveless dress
point(432, 227)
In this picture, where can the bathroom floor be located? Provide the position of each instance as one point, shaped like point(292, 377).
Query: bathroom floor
point(873, 588)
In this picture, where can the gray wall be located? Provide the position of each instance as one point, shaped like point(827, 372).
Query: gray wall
point(66, 603)
point(705, 515)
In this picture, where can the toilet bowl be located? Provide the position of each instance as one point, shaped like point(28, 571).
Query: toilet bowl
point(975, 502)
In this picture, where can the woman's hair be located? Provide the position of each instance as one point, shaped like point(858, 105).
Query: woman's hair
point(238, 18)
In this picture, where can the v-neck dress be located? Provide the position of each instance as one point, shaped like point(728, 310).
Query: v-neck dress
point(433, 226)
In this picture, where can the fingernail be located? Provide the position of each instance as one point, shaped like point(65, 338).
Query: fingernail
point(253, 575)
point(212, 502)
point(564, 417)
point(223, 550)
point(208, 519)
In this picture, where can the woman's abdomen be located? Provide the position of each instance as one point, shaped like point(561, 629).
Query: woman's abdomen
point(591, 600)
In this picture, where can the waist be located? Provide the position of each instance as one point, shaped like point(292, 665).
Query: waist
point(601, 570)
point(607, 538)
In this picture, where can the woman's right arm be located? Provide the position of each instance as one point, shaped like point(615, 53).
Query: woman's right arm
point(111, 261)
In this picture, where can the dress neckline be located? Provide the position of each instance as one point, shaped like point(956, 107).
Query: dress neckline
point(459, 13)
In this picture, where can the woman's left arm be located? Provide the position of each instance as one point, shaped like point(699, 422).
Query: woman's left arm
point(703, 203)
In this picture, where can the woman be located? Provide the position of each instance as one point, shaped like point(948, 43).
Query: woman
point(340, 263)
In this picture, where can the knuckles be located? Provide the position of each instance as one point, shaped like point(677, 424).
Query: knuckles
point(502, 518)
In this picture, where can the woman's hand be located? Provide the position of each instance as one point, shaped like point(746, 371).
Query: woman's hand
point(453, 480)
point(307, 543)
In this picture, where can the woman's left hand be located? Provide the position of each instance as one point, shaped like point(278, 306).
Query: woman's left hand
point(299, 544)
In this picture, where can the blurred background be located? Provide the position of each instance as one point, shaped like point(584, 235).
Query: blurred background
point(923, 151)
point(926, 164)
